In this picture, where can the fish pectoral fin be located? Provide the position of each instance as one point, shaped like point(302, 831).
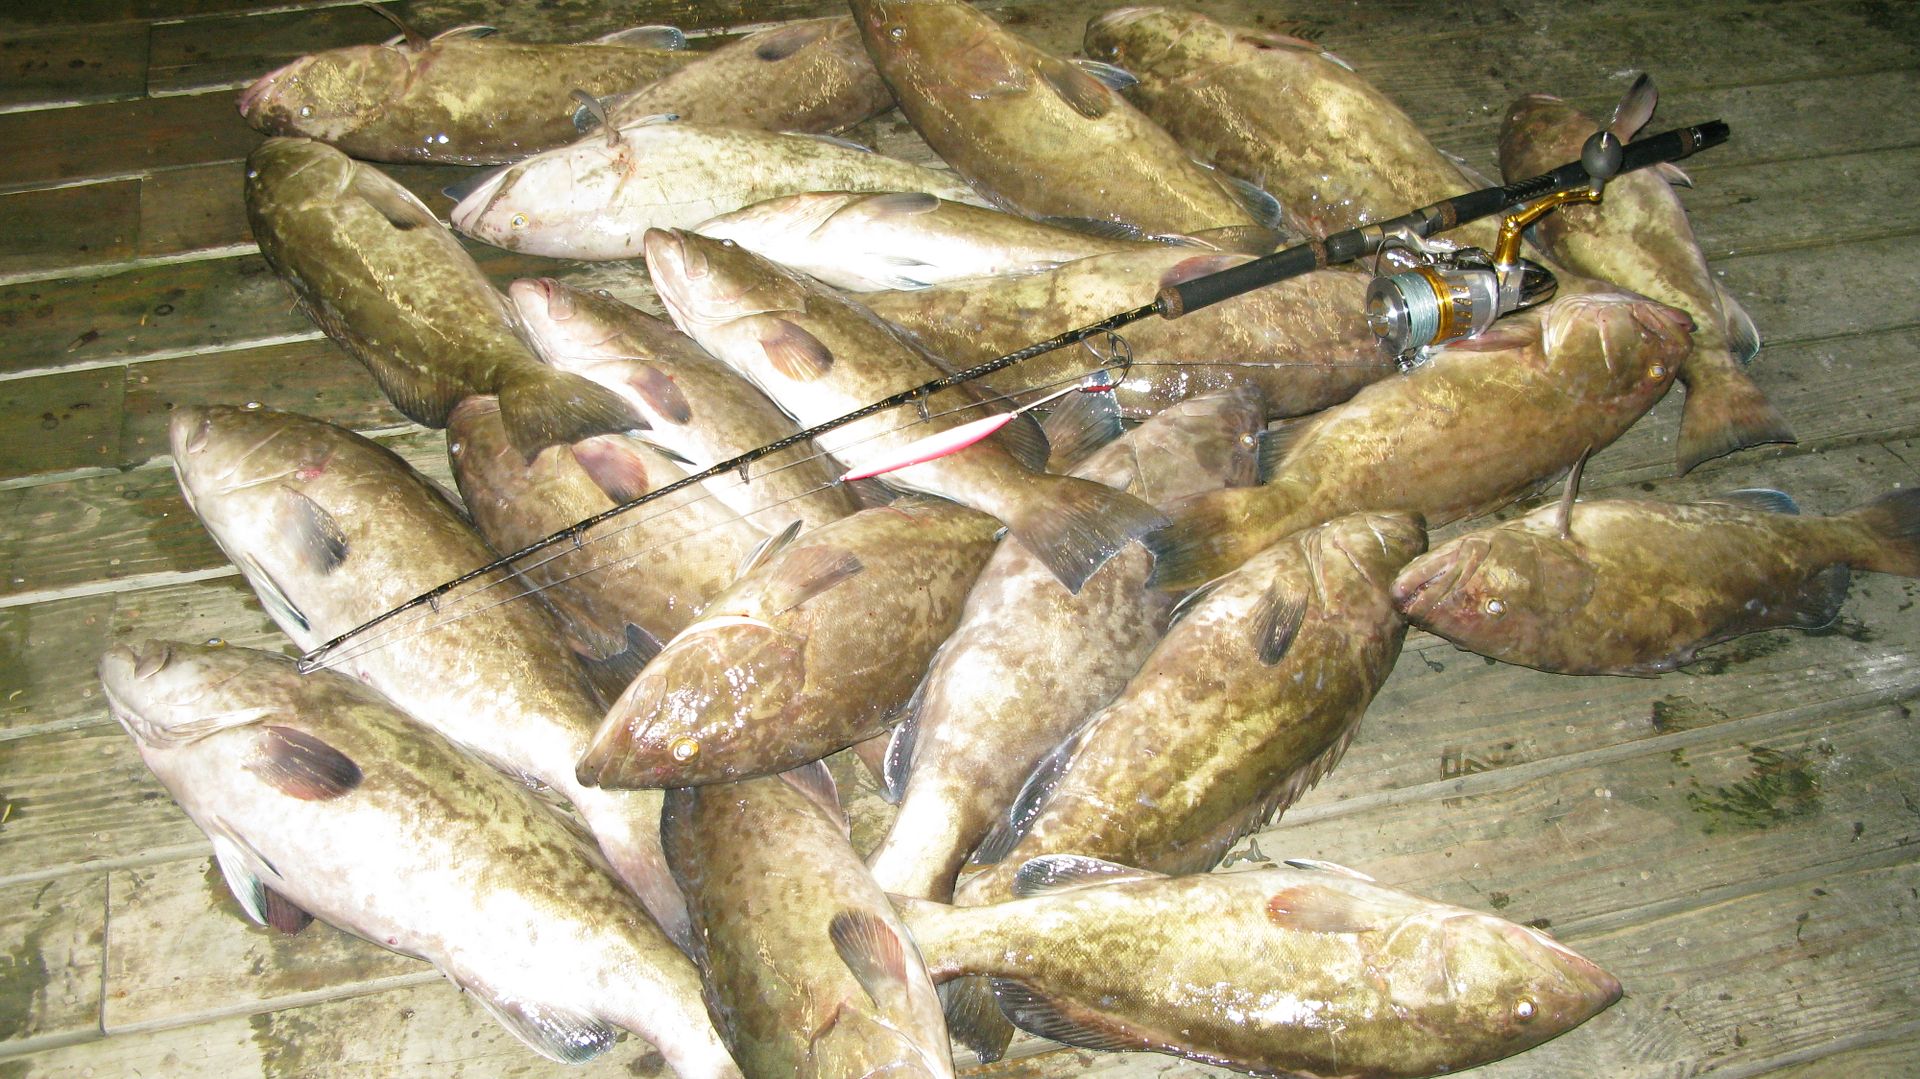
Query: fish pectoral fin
point(613, 467)
point(1063, 1021)
point(1111, 75)
point(809, 573)
point(300, 765)
point(794, 352)
point(777, 45)
point(402, 209)
point(1275, 621)
point(670, 38)
point(1316, 910)
point(661, 393)
point(317, 535)
point(1050, 874)
point(557, 1033)
point(816, 783)
point(1635, 108)
point(1080, 91)
point(897, 764)
point(874, 953)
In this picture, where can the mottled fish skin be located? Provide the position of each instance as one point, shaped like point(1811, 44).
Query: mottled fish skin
point(1304, 342)
point(320, 795)
point(1250, 697)
point(1039, 134)
point(695, 406)
point(1464, 434)
point(1313, 971)
point(1030, 661)
point(1638, 587)
point(459, 100)
point(595, 200)
point(630, 584)
point(901, 240)
point(1639, 238)
point(812, 75)
point(332, 529)
point(809, 971)
point(374, 269)
point(817, 648)
point(822, 356)
point(1278, 112)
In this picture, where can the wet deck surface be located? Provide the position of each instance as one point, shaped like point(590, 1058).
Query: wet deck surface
point(1735, 841)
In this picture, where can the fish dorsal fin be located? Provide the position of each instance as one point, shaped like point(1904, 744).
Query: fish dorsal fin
point(793, 351)
point(1635, 108)
point(816, 783)
point(808, 573)
point(1563, 510)
point(1764, 499)
point(1318, 866)
point(831, 140)
point(1112, 76)
point(316, 533)
point(1098, 227)
point(1274, 621)
point(669, 38)
point(559, 1034)
point(896, 204)
point(1311, 909)
point(1082, 423)
point(473, 31)
point(1082, 92)
point(1257, 200)
point(402, 208)
point(898, 764)
point(596, 109)
point(1053, 873)
point(1025, 440)
point(301, 765)
point(767, 548)
point(874, 953)
point(1071, 1023)
point(613, 466)
point(661, 393)
point(1743, 337)
point(415, 40)
point(776, 45)
point(1008, 829)
point(613, 672)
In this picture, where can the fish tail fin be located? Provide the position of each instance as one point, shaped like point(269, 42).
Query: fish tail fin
point(626, 824)
point(1891, 524)
point(1725, 411)
point(1074, 526)
point(541, 406)
point(1211, 534)
point(974, 1018)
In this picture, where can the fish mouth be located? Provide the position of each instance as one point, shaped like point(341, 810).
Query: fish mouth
point(1427, 581)
point(467, 213)
point(541, 296)
point(258, 98)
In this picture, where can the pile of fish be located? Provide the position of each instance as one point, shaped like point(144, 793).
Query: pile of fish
point(1085, 655)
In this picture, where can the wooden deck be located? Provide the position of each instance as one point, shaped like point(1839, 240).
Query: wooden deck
point(1734, 841)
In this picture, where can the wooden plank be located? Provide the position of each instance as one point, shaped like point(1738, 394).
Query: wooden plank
point(227, 51)
point(120, 139)
point(52, 941)
point(68, 227)
point(1896, 1056)
point(69, 66)
point(73, 416)
point(182, 947)
point(94, 13)
point(193, 209)
point(85, 796)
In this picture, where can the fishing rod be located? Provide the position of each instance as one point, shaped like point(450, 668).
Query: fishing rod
point(1440, 298)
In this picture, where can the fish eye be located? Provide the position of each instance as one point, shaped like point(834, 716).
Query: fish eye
point(519, 221)
point(684, 749)
point(1524, 1010)
point(1496, 606)
point(1657, 372)
point(306, 111)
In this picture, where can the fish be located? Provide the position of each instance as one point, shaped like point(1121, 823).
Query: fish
point(331, 529)
point(323, 800)
point(628, 585)
point(1303, 342)
point(900, 240)
point(1248, 700)
point(1474, 428)
point(1030, 661)
point(809, 971)
point(597, 197)
point(463, 97)
point(817, 646)
point(820, 355)
point(1634, 586)
point(808, 76)
point(1639, 238)
point(1043, 137)
point(1304, 969)
point(1285, 114)
point(695, 407)
point(374, 269)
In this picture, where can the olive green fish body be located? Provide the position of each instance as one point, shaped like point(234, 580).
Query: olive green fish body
point(1638, 587)
point(1030, 660)
point(812, 75)
point(1303, 343)
point(1639, 238)
point(809, 971)
point(458, 99)
point(1278, 112)
point(818, 647)
point(323, 800)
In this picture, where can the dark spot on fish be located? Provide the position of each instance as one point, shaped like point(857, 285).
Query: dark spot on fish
point(1720, 658)
point(1780, 786)
point(1499, 900)
point(1683, 714)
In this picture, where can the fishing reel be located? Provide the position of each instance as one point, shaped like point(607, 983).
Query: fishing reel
point(1435, 293)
